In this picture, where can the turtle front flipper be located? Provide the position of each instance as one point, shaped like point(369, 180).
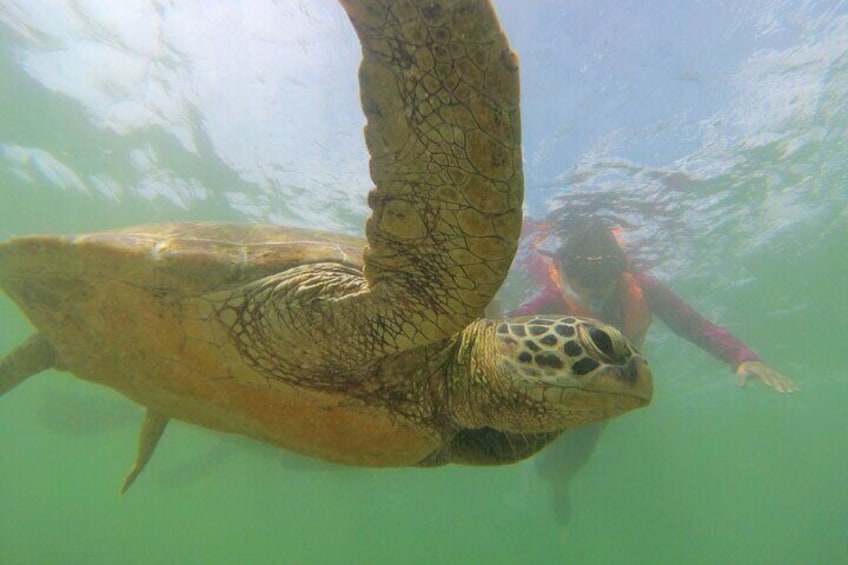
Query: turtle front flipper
point(151, 431)
point(488, 446)
point(439, 88)
point(31, 357)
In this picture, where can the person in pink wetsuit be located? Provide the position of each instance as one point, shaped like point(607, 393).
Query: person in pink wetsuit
point(590, 276)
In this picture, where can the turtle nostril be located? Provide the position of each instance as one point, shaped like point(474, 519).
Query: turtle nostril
point(602, 340)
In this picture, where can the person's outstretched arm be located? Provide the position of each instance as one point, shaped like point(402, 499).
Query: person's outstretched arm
point(683, 320)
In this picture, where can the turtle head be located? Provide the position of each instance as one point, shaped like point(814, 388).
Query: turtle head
point(547, 373)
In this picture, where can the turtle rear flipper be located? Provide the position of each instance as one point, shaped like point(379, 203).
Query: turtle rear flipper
point(29, 358)
point(151, 431)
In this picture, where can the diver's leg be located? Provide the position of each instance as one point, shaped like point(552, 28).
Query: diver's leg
point(561, 461)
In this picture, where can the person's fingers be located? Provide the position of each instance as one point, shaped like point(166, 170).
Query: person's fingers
point(783, 384)
point(775, 380)
point(766, 375)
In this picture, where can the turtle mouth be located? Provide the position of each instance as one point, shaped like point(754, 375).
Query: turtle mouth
point(632, 378)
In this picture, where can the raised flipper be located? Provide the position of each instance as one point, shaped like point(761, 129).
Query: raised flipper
point(29, 358)
point(151, 430)
point(439, 90)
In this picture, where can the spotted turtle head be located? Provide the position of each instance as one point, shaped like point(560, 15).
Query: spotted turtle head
point(564, 371)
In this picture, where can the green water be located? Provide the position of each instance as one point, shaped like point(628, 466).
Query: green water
point(753, 231)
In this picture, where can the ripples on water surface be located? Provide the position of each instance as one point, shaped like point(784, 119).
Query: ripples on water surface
point(715, 132)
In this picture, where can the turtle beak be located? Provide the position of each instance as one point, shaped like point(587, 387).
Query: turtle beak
point(632, 379)
point(640, 375)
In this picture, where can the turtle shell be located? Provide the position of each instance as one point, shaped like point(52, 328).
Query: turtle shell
point(134, 309)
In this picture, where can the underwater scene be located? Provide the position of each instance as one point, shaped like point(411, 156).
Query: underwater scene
point(707, 139)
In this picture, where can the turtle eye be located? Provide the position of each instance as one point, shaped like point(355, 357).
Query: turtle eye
point(602, 340)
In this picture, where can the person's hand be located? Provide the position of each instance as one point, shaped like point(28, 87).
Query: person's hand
point(766, 374)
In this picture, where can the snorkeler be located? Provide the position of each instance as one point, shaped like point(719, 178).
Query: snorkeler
point(590, 276)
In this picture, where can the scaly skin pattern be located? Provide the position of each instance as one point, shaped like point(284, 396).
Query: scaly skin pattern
point(439, 88)
point(363, 352)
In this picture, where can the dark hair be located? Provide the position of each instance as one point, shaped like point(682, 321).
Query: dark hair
point(592, 256)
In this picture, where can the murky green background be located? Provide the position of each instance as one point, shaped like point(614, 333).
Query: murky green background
point(715, 131)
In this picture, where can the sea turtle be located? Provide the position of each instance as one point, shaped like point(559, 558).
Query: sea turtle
point(364, 352)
